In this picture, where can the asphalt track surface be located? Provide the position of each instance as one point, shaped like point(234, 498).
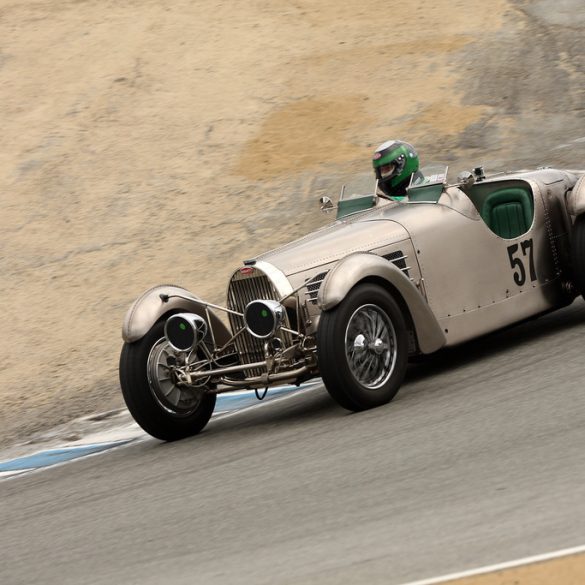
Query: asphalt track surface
point(479, 460)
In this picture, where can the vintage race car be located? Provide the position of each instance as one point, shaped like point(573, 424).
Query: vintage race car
point(352, 301)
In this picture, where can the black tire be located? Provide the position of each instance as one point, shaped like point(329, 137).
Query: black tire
point(578, 254)
point(164, 422)
point(335, 352)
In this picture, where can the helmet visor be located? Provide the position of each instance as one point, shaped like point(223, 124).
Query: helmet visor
point(387, 171)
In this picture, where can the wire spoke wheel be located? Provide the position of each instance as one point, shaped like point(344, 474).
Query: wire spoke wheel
point(370, 346)
point(362, 348)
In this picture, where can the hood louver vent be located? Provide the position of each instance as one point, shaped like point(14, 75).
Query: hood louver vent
point(314, 286)
point(398, 259)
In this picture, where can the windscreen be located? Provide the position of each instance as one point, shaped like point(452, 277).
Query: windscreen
point(429, 175)
point(428, 185)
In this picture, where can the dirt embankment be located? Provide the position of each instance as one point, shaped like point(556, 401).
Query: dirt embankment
point(148, 142)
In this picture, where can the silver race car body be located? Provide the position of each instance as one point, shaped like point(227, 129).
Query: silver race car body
point(353, 300)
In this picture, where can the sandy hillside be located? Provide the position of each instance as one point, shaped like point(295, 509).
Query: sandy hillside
point(146, 142)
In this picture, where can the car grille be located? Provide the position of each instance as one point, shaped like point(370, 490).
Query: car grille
point(243, 289)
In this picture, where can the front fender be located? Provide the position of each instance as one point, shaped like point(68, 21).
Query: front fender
point(576, 198)
point(361, 265)
point(148, 308)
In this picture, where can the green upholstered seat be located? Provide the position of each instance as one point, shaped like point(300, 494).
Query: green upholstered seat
point(508, 212)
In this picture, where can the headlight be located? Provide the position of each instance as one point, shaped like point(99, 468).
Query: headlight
point(263, 318)
point(184, 331)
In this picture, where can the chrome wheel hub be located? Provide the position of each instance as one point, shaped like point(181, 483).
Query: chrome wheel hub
point(173, 397)
point(370, 346)
point(378, 346)
point(359, 344)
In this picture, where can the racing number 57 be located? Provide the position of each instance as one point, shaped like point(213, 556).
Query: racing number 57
point(518, 265)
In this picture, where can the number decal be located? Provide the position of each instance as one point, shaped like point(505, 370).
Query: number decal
point(520, 276)
point(517, 264)
point(527, 245)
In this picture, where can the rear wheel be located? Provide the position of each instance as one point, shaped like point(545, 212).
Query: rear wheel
point(163, 408)
point(362, 348)
point(578, 254)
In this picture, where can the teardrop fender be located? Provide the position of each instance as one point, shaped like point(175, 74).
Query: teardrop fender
point(148, 308)
point(363, 265)
point(576, 198)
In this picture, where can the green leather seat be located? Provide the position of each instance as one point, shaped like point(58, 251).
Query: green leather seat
point(508, 212)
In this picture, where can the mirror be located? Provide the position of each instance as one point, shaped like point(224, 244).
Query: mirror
point(326, 204)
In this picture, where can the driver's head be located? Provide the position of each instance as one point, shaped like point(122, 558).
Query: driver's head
point(394, 163)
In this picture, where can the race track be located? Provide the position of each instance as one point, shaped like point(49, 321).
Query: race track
point(478, 460)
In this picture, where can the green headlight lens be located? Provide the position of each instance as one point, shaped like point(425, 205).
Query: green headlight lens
point(180, 334)
point(259, 319)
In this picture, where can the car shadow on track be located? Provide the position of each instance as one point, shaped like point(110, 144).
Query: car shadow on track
point(502, 341)
point(307, 407)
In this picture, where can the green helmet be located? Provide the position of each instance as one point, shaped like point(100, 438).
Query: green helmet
point(394, 163)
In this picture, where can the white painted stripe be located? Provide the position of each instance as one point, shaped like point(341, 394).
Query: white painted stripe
point(6, 474)
point(502, 566)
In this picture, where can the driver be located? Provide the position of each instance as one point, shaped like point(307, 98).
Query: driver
point(394, 164)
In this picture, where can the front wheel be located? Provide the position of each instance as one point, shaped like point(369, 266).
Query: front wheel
point(362, 348)
point(161, 407)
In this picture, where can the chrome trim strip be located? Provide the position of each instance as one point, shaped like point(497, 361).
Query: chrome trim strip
point(277, 277)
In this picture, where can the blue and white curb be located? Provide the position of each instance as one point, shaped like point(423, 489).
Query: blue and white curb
point(226, 403)
point(53, 456)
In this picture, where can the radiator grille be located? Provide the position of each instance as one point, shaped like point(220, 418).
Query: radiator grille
point(243, 289)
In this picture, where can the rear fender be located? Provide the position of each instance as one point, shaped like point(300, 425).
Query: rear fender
point(362, 265)
point(148, 308)
point(576, 198)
